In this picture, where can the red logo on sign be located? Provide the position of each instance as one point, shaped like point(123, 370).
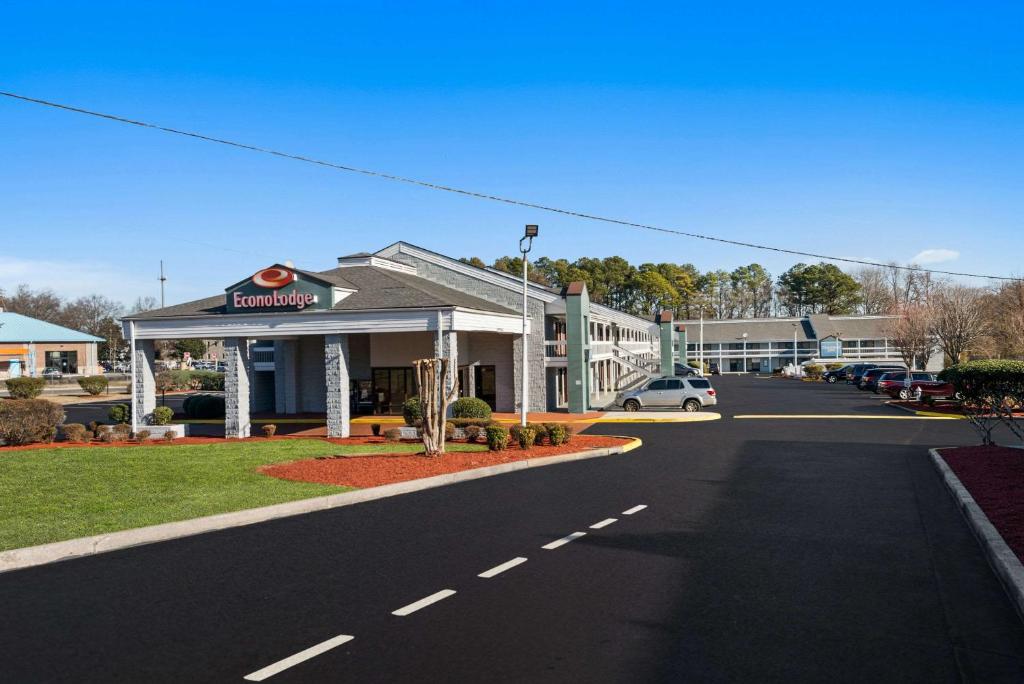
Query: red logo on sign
point(273, 278)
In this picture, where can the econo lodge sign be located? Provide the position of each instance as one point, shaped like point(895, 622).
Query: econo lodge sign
point(275, 289)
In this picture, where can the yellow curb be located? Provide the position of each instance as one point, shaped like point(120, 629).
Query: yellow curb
point(367, 420)
point(849, 417)
point(698, 417)
point(635, 443)
point(924, 414)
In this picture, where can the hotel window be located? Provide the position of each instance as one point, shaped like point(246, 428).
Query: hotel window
point(64, 361)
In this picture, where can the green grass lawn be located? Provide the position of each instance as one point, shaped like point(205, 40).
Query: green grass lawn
point(47, 495)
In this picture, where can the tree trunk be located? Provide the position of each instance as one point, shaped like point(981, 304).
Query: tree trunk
point(431, 377)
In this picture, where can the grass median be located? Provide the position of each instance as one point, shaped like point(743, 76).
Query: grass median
point(49, 495)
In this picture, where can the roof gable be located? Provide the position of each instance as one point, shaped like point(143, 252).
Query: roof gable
point(15, 327)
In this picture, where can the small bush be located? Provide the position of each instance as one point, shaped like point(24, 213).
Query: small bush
point(162, 415)
point(449, 430)
point(473, 433)
point(170, 436)
point(25, 388)
point(100, 430)
point(121, 430)
point(497, 437)
point(23, 421)
point(568, 433)
point(471, 407)
point(412, 411)
point(537, 433)
point(834, 366)
point(375, 429)
point(120, 413)
point(556, 434)
point(814, 371)
point(527, 436)
point(93, 425)
point(94, 384)
point(143, 436)
point(108, 436)
point(393, 435)
point(269, 430)
point(74, 432)
point(541, 431)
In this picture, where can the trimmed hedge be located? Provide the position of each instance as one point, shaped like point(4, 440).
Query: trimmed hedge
point(162, 415)
point(497, 437)
point(94, 384)
point(24, 421)
point(471, 407)
point(75, 432)
point(120, 413)
point(25, 387)
point(206, 381)
point(990, 391)
point(814, 371)
point(202, 406)
point(412, 411)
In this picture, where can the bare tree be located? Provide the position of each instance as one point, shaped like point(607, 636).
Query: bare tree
point(912, 334)
point(432, 376)
point(1004, 309)
point(958, 320)
point(875, 298)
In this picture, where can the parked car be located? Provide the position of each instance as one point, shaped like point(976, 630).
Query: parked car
point(869, 380)
point(689, 394)
point(859, 369)
point(834, 376)
point(713, 367)
point(894, 384)
point(52, 374)
point(684, 371)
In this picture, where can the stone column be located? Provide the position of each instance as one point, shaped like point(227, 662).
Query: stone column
point(144, 392)
point(285, 394)
point(236, 388)
point(336, 372)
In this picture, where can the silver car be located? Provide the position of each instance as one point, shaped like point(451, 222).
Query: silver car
point(689, 394)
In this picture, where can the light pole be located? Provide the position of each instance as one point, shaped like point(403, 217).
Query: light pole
point(525, 243)
point(796, 359)
point(744, 338)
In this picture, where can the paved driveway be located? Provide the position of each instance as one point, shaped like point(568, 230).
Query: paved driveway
point(778, 549)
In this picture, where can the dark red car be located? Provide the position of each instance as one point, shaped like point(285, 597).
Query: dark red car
point(894, 384)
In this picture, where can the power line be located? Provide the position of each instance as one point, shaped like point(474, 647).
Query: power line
point(485, 196)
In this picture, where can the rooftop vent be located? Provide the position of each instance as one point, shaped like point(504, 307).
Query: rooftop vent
point(367, 259)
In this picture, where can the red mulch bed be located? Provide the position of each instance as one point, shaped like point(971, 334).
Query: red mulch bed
point(380, 469)
point(995, 478)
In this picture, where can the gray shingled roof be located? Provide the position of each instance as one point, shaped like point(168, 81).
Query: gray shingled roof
point(375, 288)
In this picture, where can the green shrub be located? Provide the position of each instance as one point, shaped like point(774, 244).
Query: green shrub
point(120, 413)
point(471, 407)
point(473, 433)
point(108, 436)
point(25, 388)
point(75, 432)
point(556, 434)
point(23, 421)
point(526, 437)
point(569, 430)
point(269, 430)
point(93, 384)
point(541, 431)
point(497, 437)
point(466, 422)
point(122, 430)
point(162, 415)
point(989, 391)
point(204, 406)
point(375, 429)
point(537, 433)
point(412, 411)
point(814, 371)
point(169, 436)
point(393, 435)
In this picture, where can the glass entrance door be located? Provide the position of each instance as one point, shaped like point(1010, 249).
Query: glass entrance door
point(391, 387)
point(486, 385)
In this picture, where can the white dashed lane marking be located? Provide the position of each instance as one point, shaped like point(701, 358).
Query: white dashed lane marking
point(635, 509)
point(300, 657)
point(563, 541)
point(498, 569)
point(604, 523)
point(424, 602)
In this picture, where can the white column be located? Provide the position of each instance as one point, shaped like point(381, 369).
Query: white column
point(237, 422)
point(336, 372)
point(143, 382)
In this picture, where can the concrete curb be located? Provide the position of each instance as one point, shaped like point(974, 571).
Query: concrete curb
point(1002, 559)
point(16, 559)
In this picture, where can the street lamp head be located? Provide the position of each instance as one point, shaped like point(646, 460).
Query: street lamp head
point(531, 231)
point(745, 335)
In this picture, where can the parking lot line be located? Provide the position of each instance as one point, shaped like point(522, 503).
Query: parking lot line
point(498, 569)
point(423, 602)
point(634, 509)
point(604, 523)
point(563, 541)
point(300, 657)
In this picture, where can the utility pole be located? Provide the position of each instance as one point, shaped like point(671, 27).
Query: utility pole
point(525, 243)
point(162, 279)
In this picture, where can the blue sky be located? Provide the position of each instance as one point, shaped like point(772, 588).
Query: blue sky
point(874, 131)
